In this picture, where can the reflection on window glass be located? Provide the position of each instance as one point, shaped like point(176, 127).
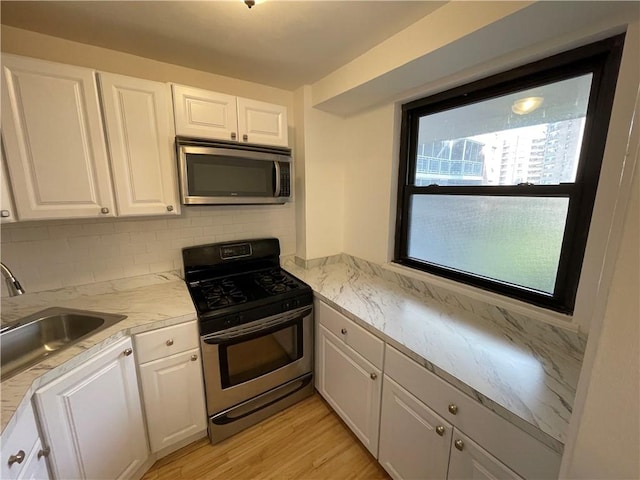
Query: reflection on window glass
point(516, 240)
point(494, 143)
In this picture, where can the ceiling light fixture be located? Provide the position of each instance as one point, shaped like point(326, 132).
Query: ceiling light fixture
point(249, 3)
point(526, 105)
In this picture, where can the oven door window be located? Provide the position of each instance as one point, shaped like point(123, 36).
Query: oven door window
point(250, 357)
point(217, 175)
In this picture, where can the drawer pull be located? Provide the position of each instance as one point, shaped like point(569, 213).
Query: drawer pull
point(373, 376)
point(453, 409)
point(440, 430)
point(169, 342)
point(194, 358)
point(343, 331)
point(459, 444)
point(44, 452)
point(17, 458)
point(128, 352)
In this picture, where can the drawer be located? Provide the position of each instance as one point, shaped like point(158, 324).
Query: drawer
point(514, 447)
point(363, 342)
point(23, 437)
point(166, 341)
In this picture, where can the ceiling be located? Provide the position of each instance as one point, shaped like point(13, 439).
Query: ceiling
point(283, 44)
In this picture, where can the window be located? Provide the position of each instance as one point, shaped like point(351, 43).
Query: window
point(498, 177)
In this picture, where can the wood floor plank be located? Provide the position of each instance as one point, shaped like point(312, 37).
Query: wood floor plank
point(306, 441)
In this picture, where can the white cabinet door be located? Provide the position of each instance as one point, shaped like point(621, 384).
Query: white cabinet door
point(262, 123)
point(54, 142)
point(20, 447)
point(36, 465)
point(204, 114)
point(139, 125)
point(414, 440)
point(92, 419)
point(470, 461)
point(351, 385)
point(173, 398)
point(7, 210)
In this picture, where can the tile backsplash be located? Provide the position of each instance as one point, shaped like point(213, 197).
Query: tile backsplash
point(51, 254)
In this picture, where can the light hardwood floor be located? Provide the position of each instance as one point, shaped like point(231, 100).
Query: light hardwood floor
point(306, 441)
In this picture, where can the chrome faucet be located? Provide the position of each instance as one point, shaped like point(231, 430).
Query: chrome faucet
point(12, 282)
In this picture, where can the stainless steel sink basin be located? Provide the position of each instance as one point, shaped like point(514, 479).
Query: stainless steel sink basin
point(36, 337)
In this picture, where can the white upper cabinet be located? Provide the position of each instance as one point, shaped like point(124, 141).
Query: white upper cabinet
point(54, 141)
point(139, 126)
point(7, 210)
point(211, 115)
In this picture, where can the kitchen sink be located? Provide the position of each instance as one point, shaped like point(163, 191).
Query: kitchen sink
point(40, 335)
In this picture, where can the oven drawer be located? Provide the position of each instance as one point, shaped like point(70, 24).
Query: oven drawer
point(363, 342)
point(166, 341)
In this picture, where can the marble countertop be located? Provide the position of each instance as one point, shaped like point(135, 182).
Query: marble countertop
point(149, 302)
point(529, 379)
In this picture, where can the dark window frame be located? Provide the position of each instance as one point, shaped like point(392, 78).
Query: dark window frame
point(602, 59)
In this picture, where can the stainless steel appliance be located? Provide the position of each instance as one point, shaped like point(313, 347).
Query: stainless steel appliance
point(218, 173)
point(256, 332)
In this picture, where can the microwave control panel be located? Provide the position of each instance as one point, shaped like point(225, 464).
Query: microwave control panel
point(285, 180)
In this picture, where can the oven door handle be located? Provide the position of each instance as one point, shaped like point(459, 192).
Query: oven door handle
point(254, 331)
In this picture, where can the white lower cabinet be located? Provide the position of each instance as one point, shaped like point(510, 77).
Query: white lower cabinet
point(172, 385)
point(91, 418)
point(35, 465)
point(469, 460)
point(351, 385)
point(414, 440)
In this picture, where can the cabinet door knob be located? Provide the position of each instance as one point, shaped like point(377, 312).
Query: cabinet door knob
point(245, 137)
point(17, 458)
point(169, 208)
point(343, 331)
point(233, 135)
point(5, 213)
point(194, 358)
point(44, 452)
point(127, 352)
point(453, 409)
point(459, 444)
point(169, 342)
point(104, 210)
point(440, 430)
point(373, 376)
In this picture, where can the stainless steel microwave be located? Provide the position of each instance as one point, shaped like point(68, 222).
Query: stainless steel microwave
point(219, 173)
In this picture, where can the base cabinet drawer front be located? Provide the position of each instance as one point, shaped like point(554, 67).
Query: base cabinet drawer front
point(351, 385)
point(414, 440)
point(92, 418)
point(173, 394)
point(469, 461)
point(166, 341)
point(18, 448)
point(521, 452)
point(363, 342)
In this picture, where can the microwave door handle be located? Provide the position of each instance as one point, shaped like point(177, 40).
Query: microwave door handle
point(276, 190)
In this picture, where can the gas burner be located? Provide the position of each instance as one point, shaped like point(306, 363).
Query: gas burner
point(275, 281)
point(222, 293)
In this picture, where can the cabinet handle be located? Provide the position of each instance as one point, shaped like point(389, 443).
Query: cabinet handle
point(440, 430)
point(44, 452)
point(169, 208)
point(245, 137)
point(233, 135)
point(453, 409)
point(373, 376)
point(128, 352)
point(17, 458)
point(194, 358)
point(459, 444)
point(169, 342)
point(343, 331)
point(104, 210)
point(5, 213)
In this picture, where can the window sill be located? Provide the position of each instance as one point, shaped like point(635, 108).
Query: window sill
point(537, 313)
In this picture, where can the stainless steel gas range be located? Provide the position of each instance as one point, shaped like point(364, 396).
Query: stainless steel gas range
point(256, 332)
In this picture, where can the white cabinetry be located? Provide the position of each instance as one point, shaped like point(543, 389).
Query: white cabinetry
point(139, 125)
point(414, 440)
point(53, 138)
point(205, 114)
point(470, 460)
point(22, 452)
point(172, 386)
point(7, 210)
point(92, 418)
point(349, 373)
